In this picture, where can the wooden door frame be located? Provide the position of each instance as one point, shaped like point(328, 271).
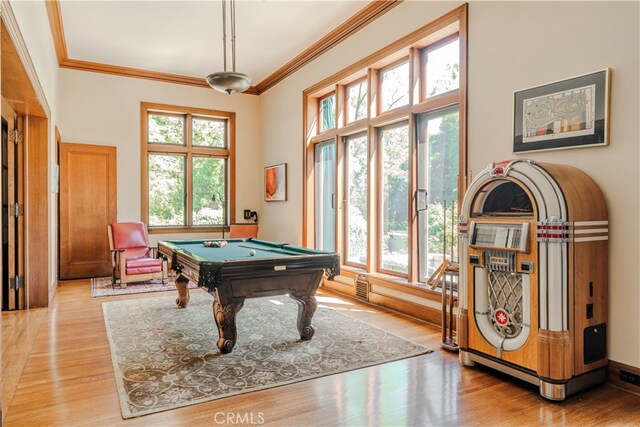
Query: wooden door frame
point(23, 91)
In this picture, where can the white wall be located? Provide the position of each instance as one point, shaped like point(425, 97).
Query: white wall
point(105, 110)
point(512, 45)
point(34, 27)
point(574, 39)
point(281, 107)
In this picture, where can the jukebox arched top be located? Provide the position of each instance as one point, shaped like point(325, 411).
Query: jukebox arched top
point(502, 197)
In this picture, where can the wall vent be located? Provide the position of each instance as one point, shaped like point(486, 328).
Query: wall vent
point(362, 287)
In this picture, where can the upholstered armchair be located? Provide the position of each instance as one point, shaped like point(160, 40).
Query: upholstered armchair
point(132, 258)
point(243, 230)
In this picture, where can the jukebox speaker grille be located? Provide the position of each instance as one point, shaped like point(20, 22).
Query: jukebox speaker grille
point(505, 302)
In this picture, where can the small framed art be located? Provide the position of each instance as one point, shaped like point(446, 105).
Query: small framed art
point(566, 114)
point(275, 183)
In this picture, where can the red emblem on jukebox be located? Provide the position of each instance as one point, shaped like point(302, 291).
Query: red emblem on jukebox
point(502, 318)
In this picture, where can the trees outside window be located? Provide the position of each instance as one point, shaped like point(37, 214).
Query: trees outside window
point(357, 155)
point(397, 175)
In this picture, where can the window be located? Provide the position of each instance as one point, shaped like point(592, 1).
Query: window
point(356, 219)
point(394, 87)
point(328, 113)
point(394, 215)
point(357, 101)
point(187, 159)
point(437, 137)
point(325, 169)
point(386, 196)
point(442, 68)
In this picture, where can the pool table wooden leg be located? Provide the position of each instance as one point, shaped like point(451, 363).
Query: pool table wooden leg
point(306, 307)
point(182, 285)
point(225, 316)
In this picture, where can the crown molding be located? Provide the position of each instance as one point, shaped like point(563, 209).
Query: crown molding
point(368, 14)
point(365, 16)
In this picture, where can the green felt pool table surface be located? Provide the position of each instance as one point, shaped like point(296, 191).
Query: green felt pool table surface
point(237, 249)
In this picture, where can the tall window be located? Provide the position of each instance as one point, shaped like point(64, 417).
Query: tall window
point(387, 196)
point(325, 169)
point(187, 161)
point(356, 220)
point(394, 215)
point(437, 194)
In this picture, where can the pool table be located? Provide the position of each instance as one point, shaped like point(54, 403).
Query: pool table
point(248, 268)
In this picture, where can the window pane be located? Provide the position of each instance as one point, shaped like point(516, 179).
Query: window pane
point(395, 190)
point(166, 190)
point(443, 69)
point(166, 129)
point(357, 102)
point(325, 179)
point(395, 87)
point(209, 201)
point(209, 132)
point(357, 160)
point(327, 113)
point(438, 141)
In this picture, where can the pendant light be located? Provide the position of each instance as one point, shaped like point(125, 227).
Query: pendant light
point(229, 81)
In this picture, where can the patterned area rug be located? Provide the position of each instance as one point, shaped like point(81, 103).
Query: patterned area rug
point(102, 287)
point(165, 357)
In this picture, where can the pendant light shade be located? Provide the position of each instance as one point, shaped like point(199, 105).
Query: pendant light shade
point(229, 81)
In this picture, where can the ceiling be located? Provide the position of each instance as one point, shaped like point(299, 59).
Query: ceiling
point(185, 37)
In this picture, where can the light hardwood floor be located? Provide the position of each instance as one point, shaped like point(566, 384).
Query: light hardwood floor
point(57, 361)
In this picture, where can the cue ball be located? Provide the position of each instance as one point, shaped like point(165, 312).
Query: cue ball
point(252, 252)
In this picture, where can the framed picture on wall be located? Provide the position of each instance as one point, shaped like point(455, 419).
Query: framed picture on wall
point(275, 183)
point(566, 114)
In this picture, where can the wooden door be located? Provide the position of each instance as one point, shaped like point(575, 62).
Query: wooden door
point(12, 208)
point(87, 207)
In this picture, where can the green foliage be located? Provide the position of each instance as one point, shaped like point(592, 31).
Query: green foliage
point(395, 179)
point(167, 173)
point(208, 181)
point(166, 190)
point(209, 132)
point(357, 152)
point(166, 129)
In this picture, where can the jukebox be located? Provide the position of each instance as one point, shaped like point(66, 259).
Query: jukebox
point(533, 275)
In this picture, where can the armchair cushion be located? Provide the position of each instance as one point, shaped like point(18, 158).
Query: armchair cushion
point(143, 265)
point(128, 235)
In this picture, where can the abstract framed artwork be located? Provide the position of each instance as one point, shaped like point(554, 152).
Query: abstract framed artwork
point(566, 114)
point(275, 183)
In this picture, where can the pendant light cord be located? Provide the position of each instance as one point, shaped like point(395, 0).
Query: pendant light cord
point(233, 34)
point(224, 34)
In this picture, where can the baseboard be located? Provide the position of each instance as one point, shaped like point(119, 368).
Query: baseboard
point(413, 311)
point(613, 376)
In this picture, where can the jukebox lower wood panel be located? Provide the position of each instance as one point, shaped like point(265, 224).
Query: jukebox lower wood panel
point(533, 275)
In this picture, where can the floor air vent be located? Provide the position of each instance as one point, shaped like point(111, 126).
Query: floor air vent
point(362, 287)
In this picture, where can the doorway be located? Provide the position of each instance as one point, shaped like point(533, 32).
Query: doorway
point(13, 295)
